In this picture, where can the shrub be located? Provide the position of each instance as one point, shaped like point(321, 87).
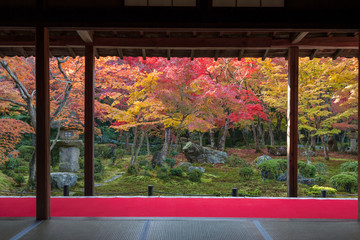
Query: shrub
point(354, 174)
point(19, 179)
point(26, 151)
point(131, 170)
point(344, 182)
point(195, 175)
point(162, 173)
point(174, 153)
point(143, 163)
point(246, 172)
point(103, 150)
point(176, 172)
point(9, 173)
point(12, 163)
point(169, 161)
point(119, 153)
point(316, 190)
point(282, 165)
point(81, 163)
point(307, 170)
point(349, 167)
point(321, 168)
point(98, 167)
point(319, 180)
point(234, 161)
point(269, 169)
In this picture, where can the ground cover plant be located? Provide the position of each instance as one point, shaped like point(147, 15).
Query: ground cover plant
point(147, 111)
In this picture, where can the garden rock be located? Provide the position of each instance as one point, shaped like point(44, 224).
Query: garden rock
point(262, 158)
point(187, 164)
point(277, 151)
point(311, 153)
point(69, 159)
point(197, 154)
point(200, 168)
point(59, 179)
point(301, 179)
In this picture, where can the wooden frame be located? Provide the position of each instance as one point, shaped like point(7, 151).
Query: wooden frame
point(42, 125)
point(292, 121)
point(89, 119)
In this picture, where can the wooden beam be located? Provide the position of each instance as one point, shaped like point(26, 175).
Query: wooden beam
point(42, 125)
point(23, 52)
point(241, 54)
point(86, 36)
point(216, 55)
point(96, 52)
point(89, 120)
point(299, 37)
point(120, 53)
point(313, 54)
point(336, 54)
point(168, 54)
point(192, 52)
point(265, 54)
point(292, 124)
point(192, 42)
point(204, 4)
point(143, 53)
point(72, 53)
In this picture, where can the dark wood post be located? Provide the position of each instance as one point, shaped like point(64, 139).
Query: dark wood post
point(89, 119)
point(292, 121)
point(42, 125)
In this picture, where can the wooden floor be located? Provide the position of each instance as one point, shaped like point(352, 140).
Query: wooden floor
point(178, 228)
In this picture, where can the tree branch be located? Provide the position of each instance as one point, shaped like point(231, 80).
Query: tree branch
point(14, 102)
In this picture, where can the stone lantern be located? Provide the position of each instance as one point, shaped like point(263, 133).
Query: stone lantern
point(69, 144)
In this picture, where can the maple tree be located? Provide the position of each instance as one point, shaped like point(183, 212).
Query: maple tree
point(66, 87)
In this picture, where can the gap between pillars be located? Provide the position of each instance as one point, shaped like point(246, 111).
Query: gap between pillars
point(292, 121)
point(89, 120)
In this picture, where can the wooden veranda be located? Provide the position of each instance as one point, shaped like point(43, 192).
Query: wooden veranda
point(45, 28)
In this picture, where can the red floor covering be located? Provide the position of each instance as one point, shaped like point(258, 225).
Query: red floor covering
point(184, 207)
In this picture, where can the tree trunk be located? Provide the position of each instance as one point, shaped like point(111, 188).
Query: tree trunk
point(278, 127)
point(313, 141)
point(201, 139)
point(271, 134)
point(306, 147)
point(32, 173)
point(148, 144)
point(127, 145)
point(256, 140)
point(138, 148)
point(261, 132)
point(165, 147)
point(342, 142)
point(332, 143)
point(245, 136)
point(212, 138)
point(326, 152)
point(133, 147)
point(222, 140)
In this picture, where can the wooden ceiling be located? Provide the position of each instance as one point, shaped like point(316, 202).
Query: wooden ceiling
point(213, 43)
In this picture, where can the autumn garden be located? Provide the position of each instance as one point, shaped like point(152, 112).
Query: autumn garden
point(186, 127)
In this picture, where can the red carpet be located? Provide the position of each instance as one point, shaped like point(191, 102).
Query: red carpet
point(184, 207)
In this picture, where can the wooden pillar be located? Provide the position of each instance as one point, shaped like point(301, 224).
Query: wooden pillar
point(89, 119)
point(359, 130)
point(42, 125)
point(292, 121)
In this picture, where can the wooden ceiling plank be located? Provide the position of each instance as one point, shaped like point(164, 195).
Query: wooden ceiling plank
point(299, 37)
point(336, 54)
point(241, 54)
point(72, 53)
point(216, 55)
point(192, 54)
point(143, 52)
point(313, 54)
point(86, 36)
point(120, 53)
point(168, 54)
point(265, 54)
